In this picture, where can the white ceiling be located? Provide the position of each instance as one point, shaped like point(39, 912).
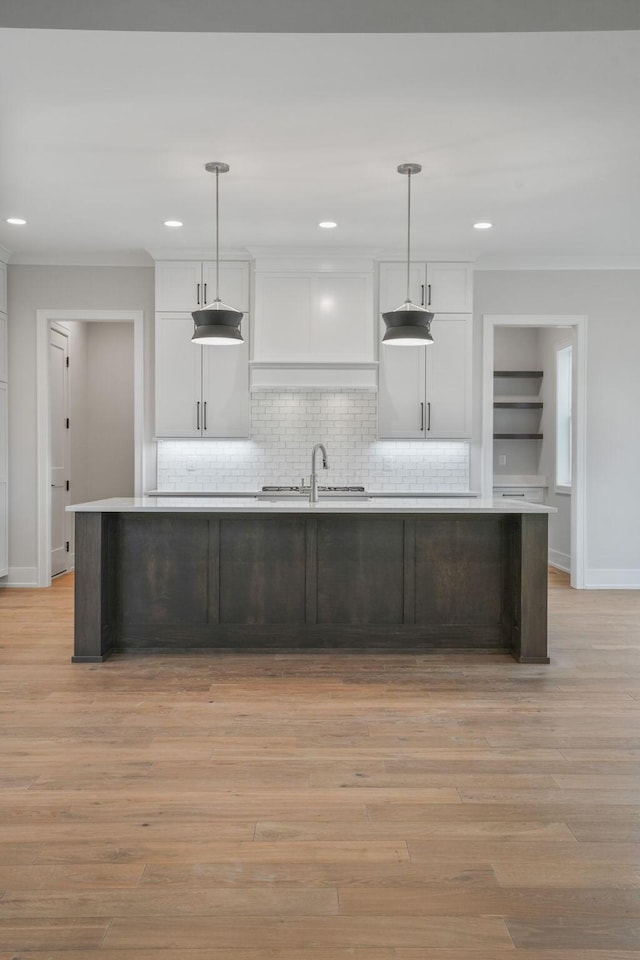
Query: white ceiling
point(105, 135)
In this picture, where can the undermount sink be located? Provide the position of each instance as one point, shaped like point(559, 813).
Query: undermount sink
point(334, 497)
point(273, 494)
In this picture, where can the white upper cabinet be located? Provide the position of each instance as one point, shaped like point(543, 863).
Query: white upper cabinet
point(425, 392)
point(314, 316)
point(185, 285)
point(440, 287)
point(201, 392)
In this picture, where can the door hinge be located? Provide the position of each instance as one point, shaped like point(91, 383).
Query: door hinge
point(67, 359)
point(67, 484)
point(67, 423)
point(66, 546)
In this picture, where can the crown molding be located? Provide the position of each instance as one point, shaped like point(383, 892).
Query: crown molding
point(120, 258)
point(558, 263)
point(5, 254)
point(197, 253)
point(357, 16)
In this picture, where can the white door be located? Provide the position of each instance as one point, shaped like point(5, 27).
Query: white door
point(60, 452)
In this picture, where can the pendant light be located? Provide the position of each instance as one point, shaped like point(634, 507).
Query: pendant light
point(409, 325)
point(217, 323)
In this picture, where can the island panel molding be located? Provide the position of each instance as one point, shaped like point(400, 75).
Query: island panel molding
point(375, 577)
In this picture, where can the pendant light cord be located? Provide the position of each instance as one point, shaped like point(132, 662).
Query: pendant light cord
point(217, 240)
point(408, 234)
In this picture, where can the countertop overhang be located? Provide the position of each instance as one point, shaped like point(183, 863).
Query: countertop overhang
point(249, 505)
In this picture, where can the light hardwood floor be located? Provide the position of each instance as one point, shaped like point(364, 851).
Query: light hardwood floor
point(321, 807)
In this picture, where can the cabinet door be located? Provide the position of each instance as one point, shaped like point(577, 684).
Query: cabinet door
point(234, 283)
point(393, 285)
point(179, 285)
point(282, 317)
point(341, 318)
point(448, 361)
point(225, 389)
point(178, 377)
point(449, 287)
point(401, 393)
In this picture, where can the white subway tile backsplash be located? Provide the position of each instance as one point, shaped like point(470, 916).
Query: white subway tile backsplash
point(284, 426)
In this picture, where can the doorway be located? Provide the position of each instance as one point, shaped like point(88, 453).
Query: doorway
point(555, 332)
point(60, 447)
point(45, 319)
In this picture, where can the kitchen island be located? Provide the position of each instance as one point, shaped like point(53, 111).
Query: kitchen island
point(396, 575)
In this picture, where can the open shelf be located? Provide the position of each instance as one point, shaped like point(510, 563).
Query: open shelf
point(517, 436)
point(520, 374)
point(517, 404)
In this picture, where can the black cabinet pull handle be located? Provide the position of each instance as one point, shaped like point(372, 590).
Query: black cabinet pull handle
point(205, 415)
point(198, 294)
point(422, 416)
point(197, 415)
point(429, 416)
point(422, 294)
point(204, 299)
point(428, 295)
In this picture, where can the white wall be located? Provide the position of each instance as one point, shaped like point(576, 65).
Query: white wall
point(74, 288)
point(611, 301)
point(109, 438)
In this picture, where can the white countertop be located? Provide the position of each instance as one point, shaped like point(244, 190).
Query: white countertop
point(324, 494)
point(329, 505)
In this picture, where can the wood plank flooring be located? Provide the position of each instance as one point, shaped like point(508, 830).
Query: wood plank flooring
point(321, 807)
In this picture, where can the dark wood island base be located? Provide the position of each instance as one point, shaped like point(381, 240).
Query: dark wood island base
point(384, 581)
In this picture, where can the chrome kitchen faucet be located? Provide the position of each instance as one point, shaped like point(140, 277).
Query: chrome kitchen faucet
point(313, 483)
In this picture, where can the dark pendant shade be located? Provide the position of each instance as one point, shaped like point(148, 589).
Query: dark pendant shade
point(409, 325)
point(218, 324)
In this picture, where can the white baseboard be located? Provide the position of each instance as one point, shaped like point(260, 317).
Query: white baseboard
point(562, 561)
point(626, 579)
point(22, 577)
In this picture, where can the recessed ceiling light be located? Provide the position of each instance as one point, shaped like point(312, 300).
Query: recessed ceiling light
point(483, 225)
point(16, 221)
point(327, 224)
point(173, 223)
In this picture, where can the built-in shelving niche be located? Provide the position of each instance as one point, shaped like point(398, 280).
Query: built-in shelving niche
point(523, 423)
